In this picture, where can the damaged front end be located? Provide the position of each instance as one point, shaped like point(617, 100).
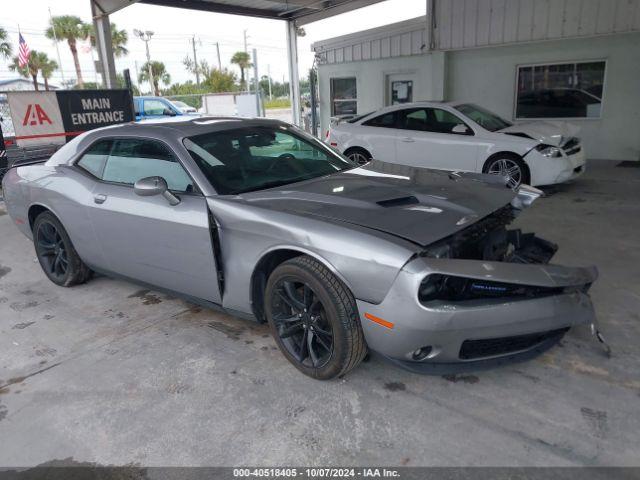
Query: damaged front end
point(489, 239)
point(481, 296)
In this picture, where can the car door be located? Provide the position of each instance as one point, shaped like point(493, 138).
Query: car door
point(146, 238)
point(435, 138)
point(378, 136)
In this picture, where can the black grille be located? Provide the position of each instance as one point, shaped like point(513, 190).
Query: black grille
point(490, 347)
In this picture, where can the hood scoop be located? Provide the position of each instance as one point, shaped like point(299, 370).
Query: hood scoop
point(398, 202)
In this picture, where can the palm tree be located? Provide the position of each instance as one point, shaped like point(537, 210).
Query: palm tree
point(243, 60)
point(119, 39)
point(47, 67)
point(37, 60)
point(159, 72)
point(70, 28)
point(5, 46)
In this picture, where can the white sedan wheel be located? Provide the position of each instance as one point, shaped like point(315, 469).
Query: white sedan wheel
point(507, 167)
point(359, 157)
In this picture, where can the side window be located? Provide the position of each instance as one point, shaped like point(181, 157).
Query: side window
point(95, 157)
point(443, 121)
point(133, 159)
point(388, 120)
point(154, 107)
point(415, 119)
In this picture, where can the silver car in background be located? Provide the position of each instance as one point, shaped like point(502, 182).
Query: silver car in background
point(265, 222)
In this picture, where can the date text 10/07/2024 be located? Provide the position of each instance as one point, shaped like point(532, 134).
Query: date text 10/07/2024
point(316, 473)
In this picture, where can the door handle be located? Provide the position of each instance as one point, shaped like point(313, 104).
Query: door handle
point(99, 198)
point(407, 140)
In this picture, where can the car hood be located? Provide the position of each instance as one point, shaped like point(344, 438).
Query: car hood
point(548, 132)
point(417, 204)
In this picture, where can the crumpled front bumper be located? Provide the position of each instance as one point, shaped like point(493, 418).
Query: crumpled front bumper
point(551, 171)
point(446, 326)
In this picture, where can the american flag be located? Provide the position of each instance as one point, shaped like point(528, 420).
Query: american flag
point(23, 52)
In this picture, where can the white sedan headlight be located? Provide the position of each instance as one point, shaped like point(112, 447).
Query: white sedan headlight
point(549, 151)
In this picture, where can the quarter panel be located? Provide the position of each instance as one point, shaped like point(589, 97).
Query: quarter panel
point(64, 192)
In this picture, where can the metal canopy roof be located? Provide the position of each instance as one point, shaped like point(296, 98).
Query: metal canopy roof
point(302, 11)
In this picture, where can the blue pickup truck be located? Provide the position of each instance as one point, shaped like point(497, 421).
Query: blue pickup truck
point(156, 107)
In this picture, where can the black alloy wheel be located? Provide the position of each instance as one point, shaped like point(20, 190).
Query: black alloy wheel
point(51, 251)
point(56, 254)
point(314, 318)
point(301, 322)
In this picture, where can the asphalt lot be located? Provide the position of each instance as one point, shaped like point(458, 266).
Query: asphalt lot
point(110, 373)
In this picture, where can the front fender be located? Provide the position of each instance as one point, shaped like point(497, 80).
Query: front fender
point(367, 261)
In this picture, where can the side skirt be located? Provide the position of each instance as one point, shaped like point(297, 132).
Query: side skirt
point(187, 298)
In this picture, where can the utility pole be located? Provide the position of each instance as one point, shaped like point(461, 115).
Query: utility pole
point(245, 40)
point(269, 77)
point(55, 39)
point(146, 38)
point(135, 62)
point(256, 81)
point(195, 60)
point(218, 50)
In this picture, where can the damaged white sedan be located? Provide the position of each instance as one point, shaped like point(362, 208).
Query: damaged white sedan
point(464, 137)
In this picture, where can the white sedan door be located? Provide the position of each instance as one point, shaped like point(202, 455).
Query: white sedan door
point(378, 136)
point(435, 138)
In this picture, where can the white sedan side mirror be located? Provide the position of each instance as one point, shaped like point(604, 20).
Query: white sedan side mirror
point(461, 128)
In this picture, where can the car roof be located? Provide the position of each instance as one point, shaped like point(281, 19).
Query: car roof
point(184, 127)
point(403, 106)
point(419, 103)
point(174, 127)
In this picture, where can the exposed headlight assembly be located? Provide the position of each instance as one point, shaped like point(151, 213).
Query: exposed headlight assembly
point(549, 151)
point(453, 289)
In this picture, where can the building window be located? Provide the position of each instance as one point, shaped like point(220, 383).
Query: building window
point(560, 90)
point(401, 92)
point(344, 96)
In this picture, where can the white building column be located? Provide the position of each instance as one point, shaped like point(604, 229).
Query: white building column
point(294, 80)
point(102, 28)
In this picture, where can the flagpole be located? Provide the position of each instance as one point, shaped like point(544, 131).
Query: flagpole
point(55, 38)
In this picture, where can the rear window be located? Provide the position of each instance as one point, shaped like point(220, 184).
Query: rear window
point(387, 120)
point(358, 118)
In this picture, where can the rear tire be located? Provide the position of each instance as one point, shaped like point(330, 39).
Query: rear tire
point(314, 319)
point(358, 155)
point(510, 165)
point(58, 258)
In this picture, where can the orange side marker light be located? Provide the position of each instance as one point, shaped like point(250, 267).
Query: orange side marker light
point(379, 321)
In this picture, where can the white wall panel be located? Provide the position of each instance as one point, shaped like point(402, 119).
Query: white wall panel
point(497, 21)
point(461, 24)
point(477, 23)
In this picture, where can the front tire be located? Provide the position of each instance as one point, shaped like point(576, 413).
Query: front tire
point(57, 256)
point(358, 155)
point(510, 166)
point(314, 319)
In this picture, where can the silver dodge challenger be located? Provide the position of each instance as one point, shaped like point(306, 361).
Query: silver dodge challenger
point(263, 221)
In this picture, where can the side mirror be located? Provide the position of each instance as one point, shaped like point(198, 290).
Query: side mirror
point(461, 128)
point(168, 112)
point(150, 186)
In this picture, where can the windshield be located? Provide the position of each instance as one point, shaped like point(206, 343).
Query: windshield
point(255, 158)
point(486, 119)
